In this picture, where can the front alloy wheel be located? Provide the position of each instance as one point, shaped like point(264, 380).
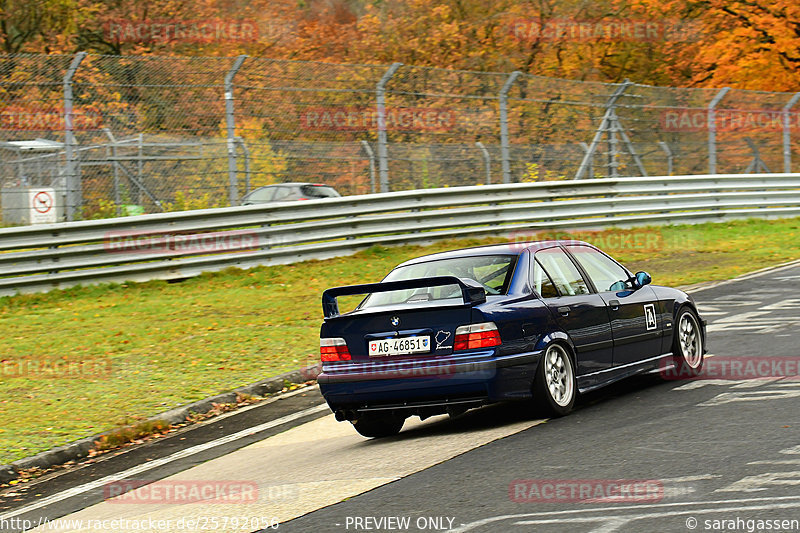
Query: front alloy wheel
point(687, 344)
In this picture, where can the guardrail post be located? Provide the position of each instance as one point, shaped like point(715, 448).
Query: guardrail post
point(503, 100)
point(487, 162)
point(787, 138)
point(371, 156)
point(712, 130)
point(233, 186)
point(74, 190)
point(380, 99)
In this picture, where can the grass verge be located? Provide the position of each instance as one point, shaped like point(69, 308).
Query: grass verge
point(84, 360)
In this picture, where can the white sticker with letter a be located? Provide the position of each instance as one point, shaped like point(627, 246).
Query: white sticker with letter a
point(650, 316)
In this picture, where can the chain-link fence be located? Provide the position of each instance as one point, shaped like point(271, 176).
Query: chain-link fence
point(97, 136)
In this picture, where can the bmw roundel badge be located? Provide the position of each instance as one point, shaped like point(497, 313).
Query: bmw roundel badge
point(395, 321)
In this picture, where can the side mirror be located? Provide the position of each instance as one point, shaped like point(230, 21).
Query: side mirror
point(640, 279)
point(618, 286)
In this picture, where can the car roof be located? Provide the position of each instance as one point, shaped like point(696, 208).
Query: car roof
point(510, 248)
point(296, 184)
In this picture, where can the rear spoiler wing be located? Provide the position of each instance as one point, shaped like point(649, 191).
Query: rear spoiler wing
point(471, 291)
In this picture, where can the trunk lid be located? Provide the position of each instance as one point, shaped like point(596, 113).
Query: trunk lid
point(402, 330)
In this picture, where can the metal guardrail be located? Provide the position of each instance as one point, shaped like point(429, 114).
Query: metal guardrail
point(181, 245)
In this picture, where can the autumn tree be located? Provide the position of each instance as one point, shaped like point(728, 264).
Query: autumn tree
point(35, 25)
point(747, 44)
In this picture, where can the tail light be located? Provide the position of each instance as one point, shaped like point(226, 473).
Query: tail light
point(484, 335)
point(333, 349)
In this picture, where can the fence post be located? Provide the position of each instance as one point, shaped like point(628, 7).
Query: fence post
point(787, 138)
point(591, 158)
point(233, 186)
point(503, 99)
point(712, 130)
point(140, 168)
point(757, 165)
point(608, 123)
point(246, 152)
point(487, 161)
point(115, 164)
point(380, 98)
point(371, 155)
point(74, 190)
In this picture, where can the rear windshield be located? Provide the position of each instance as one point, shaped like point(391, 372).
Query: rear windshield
point(492, 271)
point(319, 191)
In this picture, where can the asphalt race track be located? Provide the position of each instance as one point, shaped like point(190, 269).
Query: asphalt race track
point(712, 454)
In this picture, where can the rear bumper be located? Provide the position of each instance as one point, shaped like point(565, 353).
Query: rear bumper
point(427, 386)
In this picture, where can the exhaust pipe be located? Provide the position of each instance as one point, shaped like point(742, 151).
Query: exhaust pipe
point(345, 414)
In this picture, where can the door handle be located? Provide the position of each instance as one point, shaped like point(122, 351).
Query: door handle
point(614, 304)
point(564, 310)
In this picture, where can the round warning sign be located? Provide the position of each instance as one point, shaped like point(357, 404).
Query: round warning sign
point(43, 202)
point(43, 206)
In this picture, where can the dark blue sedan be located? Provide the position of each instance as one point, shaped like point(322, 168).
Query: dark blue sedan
point(544, 321)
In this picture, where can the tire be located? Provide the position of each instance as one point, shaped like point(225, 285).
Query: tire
point(377, 426)
point(555, 387)
point(687, 344)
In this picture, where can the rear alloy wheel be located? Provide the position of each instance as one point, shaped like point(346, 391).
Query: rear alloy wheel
point(376, 426)
point(687, 344)
point(554, 388)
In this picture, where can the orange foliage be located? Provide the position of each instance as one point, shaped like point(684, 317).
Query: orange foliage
point(753, 44)
point(746, 44)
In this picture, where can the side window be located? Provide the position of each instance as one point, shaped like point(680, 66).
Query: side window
point(282, 194)
point(565, 275)
point(261, 195)
point(541, 282)
point(604, 272)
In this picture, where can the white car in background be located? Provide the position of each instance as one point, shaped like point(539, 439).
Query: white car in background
point(287, 192)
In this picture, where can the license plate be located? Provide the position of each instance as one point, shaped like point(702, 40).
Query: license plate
point(400, 346)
